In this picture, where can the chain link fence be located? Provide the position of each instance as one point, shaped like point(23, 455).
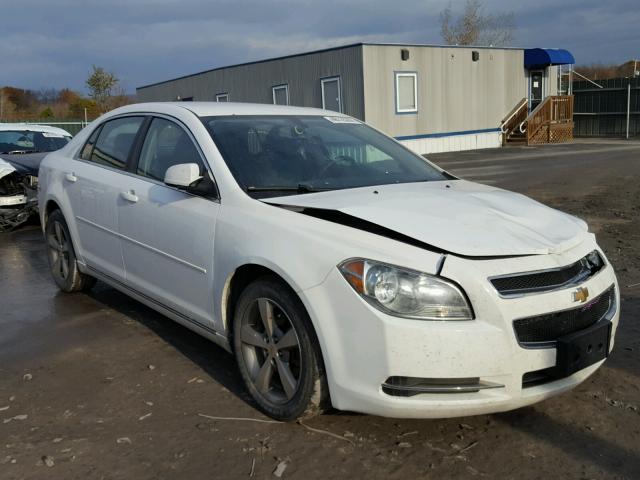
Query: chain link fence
point(71, 126)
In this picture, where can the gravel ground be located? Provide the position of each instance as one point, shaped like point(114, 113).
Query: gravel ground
point(99, 386)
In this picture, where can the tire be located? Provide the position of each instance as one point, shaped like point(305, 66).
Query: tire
point(282, 369)
point(62, 257)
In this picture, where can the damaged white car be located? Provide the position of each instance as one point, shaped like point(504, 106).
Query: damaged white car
point(18, 195)
point(22, 147)
point(340, 268)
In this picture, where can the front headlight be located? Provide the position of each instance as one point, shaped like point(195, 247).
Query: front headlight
point(406, 293)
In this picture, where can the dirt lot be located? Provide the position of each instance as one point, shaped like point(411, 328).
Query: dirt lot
point(99, 386)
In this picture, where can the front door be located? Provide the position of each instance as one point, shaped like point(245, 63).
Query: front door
point(536, 89)
point(168, 234)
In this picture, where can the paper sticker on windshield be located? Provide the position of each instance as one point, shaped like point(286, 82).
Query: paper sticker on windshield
point(52, 135)
point(342, 120)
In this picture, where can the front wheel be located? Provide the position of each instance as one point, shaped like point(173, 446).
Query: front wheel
point(62, 258)
point(277, 351)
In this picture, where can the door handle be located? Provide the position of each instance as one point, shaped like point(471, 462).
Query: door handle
point(71, 177)
point(129, 196)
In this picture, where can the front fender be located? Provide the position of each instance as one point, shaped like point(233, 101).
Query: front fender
point(303, 250)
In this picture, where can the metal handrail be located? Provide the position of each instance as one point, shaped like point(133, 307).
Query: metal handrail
point(513, 113)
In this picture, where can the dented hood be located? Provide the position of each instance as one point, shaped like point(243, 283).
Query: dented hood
point(455, 216)
point(25, 163)
point(5, 168)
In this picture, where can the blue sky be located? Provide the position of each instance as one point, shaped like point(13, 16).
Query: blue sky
point(53, 43)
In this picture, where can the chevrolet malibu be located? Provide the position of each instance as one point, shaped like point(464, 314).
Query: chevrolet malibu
point(341, 269)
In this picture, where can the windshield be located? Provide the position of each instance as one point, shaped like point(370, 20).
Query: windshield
point(278, 154)
point(25, 141)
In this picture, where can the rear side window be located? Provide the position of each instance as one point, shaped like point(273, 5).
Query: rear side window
point(115, 141)
point(166, 144)
point(85, 154)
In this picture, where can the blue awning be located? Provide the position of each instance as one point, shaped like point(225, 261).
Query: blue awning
point(543, 57)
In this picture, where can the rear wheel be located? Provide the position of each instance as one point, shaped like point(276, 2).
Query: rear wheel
point(62, 258)
point(277, 352)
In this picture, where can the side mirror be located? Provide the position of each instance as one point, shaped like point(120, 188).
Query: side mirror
point(182, 175)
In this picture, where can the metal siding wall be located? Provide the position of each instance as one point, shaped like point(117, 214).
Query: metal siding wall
point(603, 112)
point(454, 93)
point(454, 143)
point(252, 83)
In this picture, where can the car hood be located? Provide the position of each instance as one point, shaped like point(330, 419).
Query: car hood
point(25, 163)
point(455, 216)
point(5, 168)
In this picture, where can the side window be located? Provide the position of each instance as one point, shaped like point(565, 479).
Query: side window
point(115, 141)
point(85, 153)
point(166, 144)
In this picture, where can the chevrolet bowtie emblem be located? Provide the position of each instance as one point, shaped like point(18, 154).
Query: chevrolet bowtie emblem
point(581, 295)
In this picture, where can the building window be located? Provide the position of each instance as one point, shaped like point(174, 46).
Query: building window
point(331, 99)
point(222, 97)
point(280, 94)
point(406, 92)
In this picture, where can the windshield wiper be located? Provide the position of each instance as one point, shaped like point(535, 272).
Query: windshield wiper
point(301, 188)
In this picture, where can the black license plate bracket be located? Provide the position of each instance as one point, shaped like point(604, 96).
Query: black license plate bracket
point(582, 349)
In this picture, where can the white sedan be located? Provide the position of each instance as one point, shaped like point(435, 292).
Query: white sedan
point(340, 268)
point(22, 147)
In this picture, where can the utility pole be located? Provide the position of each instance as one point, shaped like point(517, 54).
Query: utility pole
point(628, 104)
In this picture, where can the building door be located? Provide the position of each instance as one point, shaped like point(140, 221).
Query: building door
point(331, 94)
point(536, 89)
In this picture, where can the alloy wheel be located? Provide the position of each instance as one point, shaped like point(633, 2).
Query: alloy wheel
point(271, 351)
point(58, 251)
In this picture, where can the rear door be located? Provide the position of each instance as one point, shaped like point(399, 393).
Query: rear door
point(167, 233)
point(93, 185)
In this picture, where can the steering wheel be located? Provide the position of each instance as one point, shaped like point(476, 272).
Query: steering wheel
point(336, 162)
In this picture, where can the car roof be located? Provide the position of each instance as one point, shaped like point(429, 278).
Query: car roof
point(212, 109)
point(30, 127)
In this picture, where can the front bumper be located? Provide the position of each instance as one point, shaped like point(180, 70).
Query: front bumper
point(363, 347)
point(12, 200)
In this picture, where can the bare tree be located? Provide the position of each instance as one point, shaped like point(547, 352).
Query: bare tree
point(119, 98)
point(47, 95)
point(600, 71)
point(474, 27)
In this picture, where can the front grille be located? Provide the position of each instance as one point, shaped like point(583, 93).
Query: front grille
point(552, 279)
point(545, 329)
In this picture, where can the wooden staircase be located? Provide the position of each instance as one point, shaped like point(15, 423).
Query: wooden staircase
point(550, 122)
point(513, 126)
